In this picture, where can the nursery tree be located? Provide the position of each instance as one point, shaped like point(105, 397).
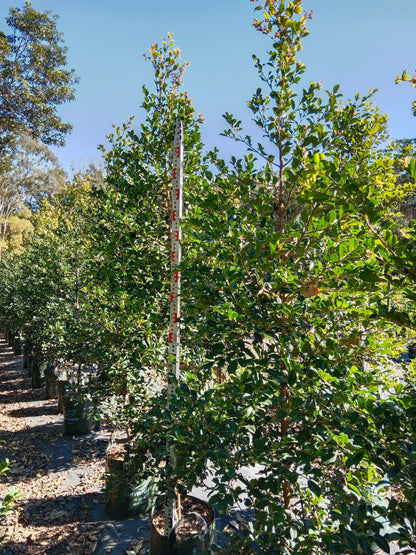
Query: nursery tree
point(34, 78)
point(282, 282)
point(131, 241)
point(44, 293)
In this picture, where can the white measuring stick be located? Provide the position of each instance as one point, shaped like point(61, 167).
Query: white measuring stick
point(175, 289)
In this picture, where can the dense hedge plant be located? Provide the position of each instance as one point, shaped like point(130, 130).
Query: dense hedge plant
point(292, 257)
point(283, 286)
point(131, 240)
point(43, 290)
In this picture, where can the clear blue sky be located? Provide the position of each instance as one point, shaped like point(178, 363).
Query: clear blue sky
point(360, 44)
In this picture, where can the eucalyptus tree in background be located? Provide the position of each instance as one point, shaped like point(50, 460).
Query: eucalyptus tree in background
point(30, 174)
point(34, 78)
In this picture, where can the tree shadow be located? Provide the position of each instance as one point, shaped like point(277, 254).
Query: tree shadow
point(41, 410)
point(70, 512)
point(83, 514)
point(59, 510)
point(7, 352)
point(10, 377)
point(45, 449)
point(8, 397)
point(57, 545)
point(11, 365)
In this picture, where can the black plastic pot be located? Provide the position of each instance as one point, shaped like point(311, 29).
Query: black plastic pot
point(126, 495)
point(61, 387)
point(37, 373)
point(30, 358)
point(17, 344)
point(199, 543)
point(26, 353)
point(51, 382)
point(78, 415)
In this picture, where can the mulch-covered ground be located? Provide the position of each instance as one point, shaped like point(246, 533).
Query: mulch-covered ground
point(60, 477)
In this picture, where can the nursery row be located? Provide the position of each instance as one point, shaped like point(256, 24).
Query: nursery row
point(128, 493)
point(295, 260)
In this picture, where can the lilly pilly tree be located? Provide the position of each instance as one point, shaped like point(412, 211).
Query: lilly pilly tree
point(283, 280)
point(49, 294)
point(132, 237)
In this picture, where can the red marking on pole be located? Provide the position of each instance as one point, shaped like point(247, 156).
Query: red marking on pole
point(174, 332)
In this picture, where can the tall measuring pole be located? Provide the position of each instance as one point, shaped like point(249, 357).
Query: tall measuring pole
point(175, 290)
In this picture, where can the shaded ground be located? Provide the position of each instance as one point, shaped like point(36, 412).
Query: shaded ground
point(60, 477)
point(62, 510)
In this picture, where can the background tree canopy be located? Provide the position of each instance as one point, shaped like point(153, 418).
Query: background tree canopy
point(34, 79)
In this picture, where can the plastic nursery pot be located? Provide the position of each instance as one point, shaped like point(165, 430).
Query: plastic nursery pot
point(26, 352)
point(126, 495)
point(30, 358)
point(193, 534)
point(17, 344)
point(51, 382)
point(78, 415)
point(9, 337)
point(61, 387)
point(37, 373)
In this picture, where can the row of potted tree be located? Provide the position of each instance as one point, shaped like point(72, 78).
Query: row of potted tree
point(293, 259)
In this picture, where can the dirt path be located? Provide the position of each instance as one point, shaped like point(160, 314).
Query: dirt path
point(61, 477)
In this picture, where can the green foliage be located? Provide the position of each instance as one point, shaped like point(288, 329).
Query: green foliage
point(43, 289)
point(284, 282)
point(298, 278)
point(405, 76)
point(33, 77)
point(7, 502)
point(131, 239)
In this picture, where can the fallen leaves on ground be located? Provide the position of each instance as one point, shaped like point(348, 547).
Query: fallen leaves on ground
point(60, 477)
